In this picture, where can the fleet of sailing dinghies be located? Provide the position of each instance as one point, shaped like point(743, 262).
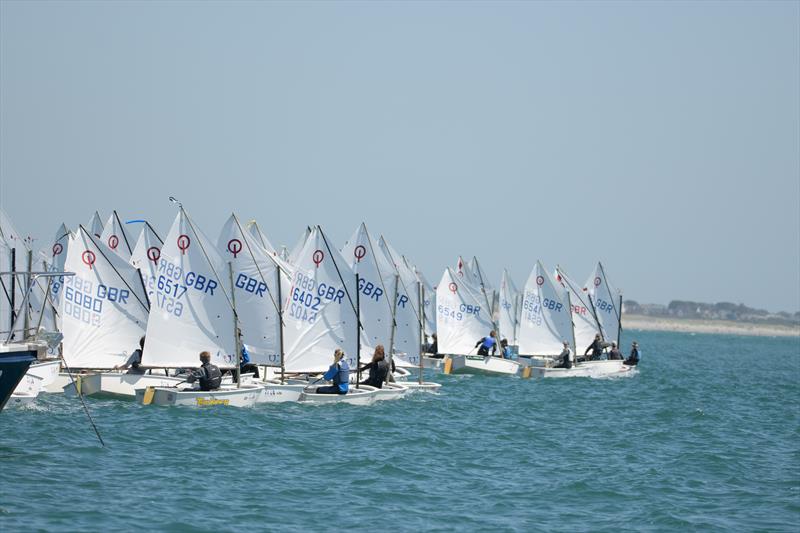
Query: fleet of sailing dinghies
point(98, 292)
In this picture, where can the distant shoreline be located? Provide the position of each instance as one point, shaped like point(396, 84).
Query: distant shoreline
point(690, 325)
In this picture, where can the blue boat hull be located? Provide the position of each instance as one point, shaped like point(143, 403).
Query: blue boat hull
point(13, 366)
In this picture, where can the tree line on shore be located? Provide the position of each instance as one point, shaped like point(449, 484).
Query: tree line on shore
point(716, 311)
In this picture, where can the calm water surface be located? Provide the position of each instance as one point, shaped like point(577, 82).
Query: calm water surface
point(705, 437)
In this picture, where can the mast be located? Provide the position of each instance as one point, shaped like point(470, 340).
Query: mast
point(236, 342)
point(358, 335)
point(13, 292)
point(421, 296)
point(27, 318)
point(280, 324)
point(394, 324)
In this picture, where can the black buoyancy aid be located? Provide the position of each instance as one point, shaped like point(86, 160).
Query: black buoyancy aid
point(211, 378)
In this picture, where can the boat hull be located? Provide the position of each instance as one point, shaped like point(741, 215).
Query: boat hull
point(425, 386)
point(364, 395)
point(116, 384)
point(277, 393)
point(46, 370)
point(15, 359)
point(588, 369)
point(224, 397)
point(476, 364)
point(391, 391)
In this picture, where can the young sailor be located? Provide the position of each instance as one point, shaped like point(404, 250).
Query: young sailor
point(433, 347)
point(507, 353)
point(208, 375)
point(633, 359)
point(133, 362)
point(487, 343)
point(378, 368)
point(566, 360)
point(615, 354)
point(245, 366)
point(597, 348)
point(338, 373)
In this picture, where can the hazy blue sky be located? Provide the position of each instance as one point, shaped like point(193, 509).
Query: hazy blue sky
point(661, 138)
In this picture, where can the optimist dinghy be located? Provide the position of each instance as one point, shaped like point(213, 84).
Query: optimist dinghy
point(116, 384)
point(588, 369)
point(227, 396)
point(462, 317)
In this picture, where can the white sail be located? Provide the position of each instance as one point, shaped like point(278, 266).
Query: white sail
point(407, 340)
point(255, 231)
point(319, 311)
point(376, 287)
point(294, 255)
point(116, 238)
point(545, 320)
point(429, 303)
point(191, 311)
point(104, 310)
point(479, 275)
point(508, 309)
point(255, 291)
point(145, 257)
point(13, 238)
point(586, 326)
point(95, 226)
point(606, 302)
point(461, 316)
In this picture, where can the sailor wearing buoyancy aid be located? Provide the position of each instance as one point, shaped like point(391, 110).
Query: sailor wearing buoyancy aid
point(487, 343)
point(339, 374)
point(209, 376)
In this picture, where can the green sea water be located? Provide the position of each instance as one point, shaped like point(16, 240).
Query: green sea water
point(705, 437)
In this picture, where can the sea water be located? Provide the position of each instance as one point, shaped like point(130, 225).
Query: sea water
point(705, 436)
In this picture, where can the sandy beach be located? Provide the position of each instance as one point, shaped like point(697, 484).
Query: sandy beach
point(649, 323)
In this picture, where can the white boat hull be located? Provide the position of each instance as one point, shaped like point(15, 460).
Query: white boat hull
point(391, 391)
point(26, 392)
point(587, 369)
point(57, 386)
point(433, 363)
point(277, 393)
point(116, 384)
point(47, 370)
point(246, 396)
point(364, 395)
point(465, 364)
point(425, 386)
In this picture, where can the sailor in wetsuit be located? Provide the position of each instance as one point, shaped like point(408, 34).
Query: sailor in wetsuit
point(633, 359)
point(133, 364)
point(614, 354)
point(597, 348)
point(566, 360)
point(339, 374)
point(433, 347)
point(487, 343)
point(208, 375)
point(507, 352)
point(378, 368)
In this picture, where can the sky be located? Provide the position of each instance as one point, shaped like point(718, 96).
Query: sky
point(660, 138)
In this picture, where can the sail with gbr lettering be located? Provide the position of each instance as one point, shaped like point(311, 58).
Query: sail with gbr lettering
point(461, 316)
point(104, 310)
point(319, 311)
point(191, 311)
point(376, 287)
point(545, 319)
point(256, 276)
point(606, 301)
